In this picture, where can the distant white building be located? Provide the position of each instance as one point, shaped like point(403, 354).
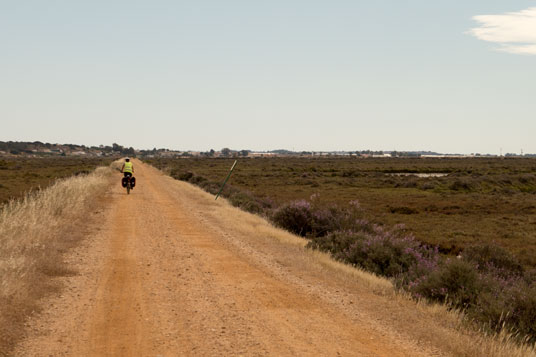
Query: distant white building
point(446, 156)
point(262, 154)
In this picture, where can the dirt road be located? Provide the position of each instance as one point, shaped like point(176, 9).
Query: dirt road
point(170, 272)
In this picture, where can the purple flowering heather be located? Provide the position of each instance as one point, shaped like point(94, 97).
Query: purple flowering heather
point(295, 217)
point(385, 252)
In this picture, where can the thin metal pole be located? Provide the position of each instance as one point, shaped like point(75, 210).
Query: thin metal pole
point(224, 182)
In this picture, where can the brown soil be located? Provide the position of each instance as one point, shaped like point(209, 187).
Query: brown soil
point(170, 272)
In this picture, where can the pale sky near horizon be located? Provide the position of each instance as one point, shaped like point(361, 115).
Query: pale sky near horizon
point(445, 76)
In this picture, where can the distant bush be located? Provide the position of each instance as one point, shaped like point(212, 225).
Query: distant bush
point(210, 186)
point(410, 183)
point(461, 185)
point(247, 201)
point(493, 259)
point(403, 210)
point(455, 282)
point(527, 179)
point(407, 182)
point(351, 173)
point(428, 186)
point(181, 175)
point(185, 176)
point(197, 180)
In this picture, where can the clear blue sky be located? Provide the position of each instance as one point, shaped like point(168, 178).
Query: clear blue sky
point(261, 75)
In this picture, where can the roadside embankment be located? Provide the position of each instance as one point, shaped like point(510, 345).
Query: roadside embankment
point(430, 323)
point(34, 233)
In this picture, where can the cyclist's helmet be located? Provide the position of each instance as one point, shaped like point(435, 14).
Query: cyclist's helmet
point(127, 159)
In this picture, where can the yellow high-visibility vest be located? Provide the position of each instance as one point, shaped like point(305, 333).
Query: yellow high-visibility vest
point(128, 167)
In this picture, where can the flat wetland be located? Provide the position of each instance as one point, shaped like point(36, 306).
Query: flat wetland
point(19, 175)
point(449, 202)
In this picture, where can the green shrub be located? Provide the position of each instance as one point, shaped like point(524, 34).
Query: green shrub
point(245, 201)
point(428, 186)
point(197, 180)
point(461, 185)
point(210, 187)
point(493, 259)
point(403, 210)
point(523, 307)
point(455, 282)
point(185, 176)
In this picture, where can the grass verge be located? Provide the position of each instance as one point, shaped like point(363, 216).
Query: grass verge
point(35, 232)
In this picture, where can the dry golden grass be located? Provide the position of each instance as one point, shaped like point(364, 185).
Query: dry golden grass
point(34, 233)
point(444, 332)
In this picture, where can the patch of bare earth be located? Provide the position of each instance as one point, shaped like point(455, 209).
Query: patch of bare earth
point(173, 272)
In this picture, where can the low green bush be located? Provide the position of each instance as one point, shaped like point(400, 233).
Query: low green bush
point(455, 282)
point(461, 185)
point(246, 201)
point(403, 210)
point(493, 259)
point(185, 176)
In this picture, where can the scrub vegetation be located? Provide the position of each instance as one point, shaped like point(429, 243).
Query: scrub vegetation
point(18, 175)
point(370, 214)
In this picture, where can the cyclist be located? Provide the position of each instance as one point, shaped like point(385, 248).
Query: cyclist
point(128, 168)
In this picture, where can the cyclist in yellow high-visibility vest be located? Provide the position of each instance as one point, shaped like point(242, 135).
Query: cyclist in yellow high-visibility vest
point(128, 168)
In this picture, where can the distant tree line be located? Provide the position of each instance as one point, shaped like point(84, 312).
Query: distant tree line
point(123, 150)
point(226, 152)
point(29, 147)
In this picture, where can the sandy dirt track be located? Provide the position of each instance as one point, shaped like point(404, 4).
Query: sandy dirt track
point(169, 272)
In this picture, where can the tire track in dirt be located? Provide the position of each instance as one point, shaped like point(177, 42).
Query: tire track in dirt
point(157, 280)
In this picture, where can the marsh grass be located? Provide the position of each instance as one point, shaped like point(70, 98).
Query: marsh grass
point(22, 174)
point(35, 232)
